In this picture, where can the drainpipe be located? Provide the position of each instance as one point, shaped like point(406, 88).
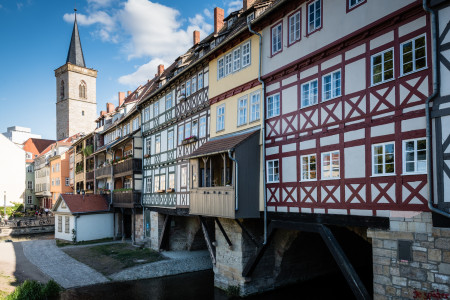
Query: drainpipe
point(427, 110)
point(263, 132)
point(236, 179)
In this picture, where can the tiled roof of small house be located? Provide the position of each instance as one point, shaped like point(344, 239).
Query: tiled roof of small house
point(85, 203)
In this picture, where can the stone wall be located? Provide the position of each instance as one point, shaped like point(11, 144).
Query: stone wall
point(428, 271)
point(139, 230)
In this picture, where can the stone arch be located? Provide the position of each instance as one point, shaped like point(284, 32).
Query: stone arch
point(61, 90)
point(82, 89)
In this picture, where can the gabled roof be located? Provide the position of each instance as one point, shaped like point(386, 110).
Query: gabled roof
point(82, 204)
point(75, 55)
point(39, 145)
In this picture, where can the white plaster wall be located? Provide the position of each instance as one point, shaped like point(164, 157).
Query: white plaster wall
point(290, 101)
point(289, 167)
point(63, 235)
point(95, 226)
point(444, 16)
point(12, 172)
point(355, 164)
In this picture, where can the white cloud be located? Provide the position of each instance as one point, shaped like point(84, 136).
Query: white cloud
point(142, 74)
point(233, 6)
point(98, 17)
point(208, 13)
point(100, 3)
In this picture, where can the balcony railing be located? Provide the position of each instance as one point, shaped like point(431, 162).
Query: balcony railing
point(103, 172)
point(213, 201)
point(128, 166)
point(90, 175)
point(126, 199)
point(160, 199)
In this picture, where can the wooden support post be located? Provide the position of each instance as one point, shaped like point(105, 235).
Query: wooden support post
point(165, 234)
point(248, 233)
point(208, 240)
point(223, 232)
point(344, 264)
point(123, 225)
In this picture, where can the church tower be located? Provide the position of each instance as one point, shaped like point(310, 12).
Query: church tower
point(76, 104)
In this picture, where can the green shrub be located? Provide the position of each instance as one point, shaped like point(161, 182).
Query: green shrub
point(51, 289)
point(29, 290)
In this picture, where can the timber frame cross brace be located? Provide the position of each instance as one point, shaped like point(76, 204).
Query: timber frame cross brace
point(209, 245)
point(339, 256)
point(223, 233)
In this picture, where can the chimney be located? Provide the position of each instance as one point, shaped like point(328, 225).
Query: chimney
point(109, 107)
point(247, 4)
point(160, 70)
point(128, 93)
point(196, 36)
point(102, 113)
point(218, 19)
point(121, 98)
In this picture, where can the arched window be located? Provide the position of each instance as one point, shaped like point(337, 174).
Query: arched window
point(61, 90)
point(82, 91)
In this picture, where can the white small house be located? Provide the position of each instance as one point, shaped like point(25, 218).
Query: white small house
point(83, 218)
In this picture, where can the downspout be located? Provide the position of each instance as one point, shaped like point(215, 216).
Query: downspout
point(427, 110)
point(236, 180)
point(263, 132)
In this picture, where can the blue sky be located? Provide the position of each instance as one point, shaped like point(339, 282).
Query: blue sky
point(123, 39)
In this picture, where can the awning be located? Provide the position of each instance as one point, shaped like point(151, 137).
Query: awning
point(220, 145)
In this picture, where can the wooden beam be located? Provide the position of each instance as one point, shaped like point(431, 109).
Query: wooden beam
point(165, 234)
point(254, 260)
point(207, 240)
point(223, 232)
point(252, 238)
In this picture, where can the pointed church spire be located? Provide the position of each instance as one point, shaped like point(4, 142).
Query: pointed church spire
point(75, 54)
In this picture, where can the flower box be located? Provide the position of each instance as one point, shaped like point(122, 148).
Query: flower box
point(160, 191)
point(170, 190)
point(189, 140)
point(146, 155)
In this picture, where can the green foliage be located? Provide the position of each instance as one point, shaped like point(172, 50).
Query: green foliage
point(233, 290)
point(29, 290)
point(88, 150)
point(74, 236)
point(51, 289)
point(122, 190)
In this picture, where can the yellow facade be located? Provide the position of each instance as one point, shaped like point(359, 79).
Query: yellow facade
point(246, 74)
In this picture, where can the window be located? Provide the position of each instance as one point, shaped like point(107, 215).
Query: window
point(228, 64)
point(66, 225)
point(330, 165)
point(82, 90)
point(236, 59)
point(147, 113)
point(170, 139)
point(294, 27)
point(308, 167)
point(254, 106)
point(382, 66)
point(155, 109)
point(135, 124)
point(82, 112)
point(195, 128)
point(277, 35)
point(200, 80)
point(30, 184)
point(67, 181)
point(180, 134)
point(171, 181)
point(157, 186)
point(246, 57)
point(242, 111)
point(354, 3)
point(415, 156)
point(331, 84)
point(251, 17)
point(205, 79)
point(188, 88)
point(414, 55)
point(168, 101)
point(29, 199)
point(30, 169)
point(309, 93)
point(314, 16)
point(157, 144)
point(183, 176)
point(220, 68)
point(383, 159)
point(220, 118)
point(148, 146)
point(273, 105)
point(272, 171)
point(202, 127)
point(59, 223)
point(194, 84)
point(61, 90)
point(148, 185)
point(187, 130)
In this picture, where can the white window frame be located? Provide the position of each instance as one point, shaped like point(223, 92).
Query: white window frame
point(180, 134)
point(383, 71)
point(357, 2)
point(335, 89)
point(170, 139)
point(194, 129)
point(255, 105)
point(236, 59)
point(156, 109)
point(220, 118)
point(273, 178)
point(228, 64)
point(308, 171)
point(275, 111)
point(416, 171)
point(200, 80)
point(330, 153)
point(276, 38)
point(29, 199)
point(294, 28)
point(413, 52)
point(250, 17)
point(29, 184)
point(187, 130)
point(246, 55)
point(67, 181)
point(194, 84)
point(242, 111)
point(220, 68)
point(384, 173)
point(188, 88)
point(312, 26)
point(157, 144)
point(202, 126)
point(169, 101)
point(315, 97)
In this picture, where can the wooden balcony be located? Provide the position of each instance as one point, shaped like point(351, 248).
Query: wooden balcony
point(127, 199)
point(128, 167)
point(79, 177)
point(103, 172)
point(213, 201)
point(90, 175)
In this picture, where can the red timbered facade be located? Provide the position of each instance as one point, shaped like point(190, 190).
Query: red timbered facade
point(350, 134)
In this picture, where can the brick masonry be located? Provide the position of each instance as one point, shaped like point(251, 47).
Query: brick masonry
point(427, 272)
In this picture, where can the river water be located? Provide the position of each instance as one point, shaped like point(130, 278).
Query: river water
point(200, 285)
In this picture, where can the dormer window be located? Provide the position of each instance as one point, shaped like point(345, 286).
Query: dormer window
point(212, 44)
point(230, 22)
point(250, 17)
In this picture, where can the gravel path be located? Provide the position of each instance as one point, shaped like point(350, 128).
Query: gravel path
point(65, 270)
